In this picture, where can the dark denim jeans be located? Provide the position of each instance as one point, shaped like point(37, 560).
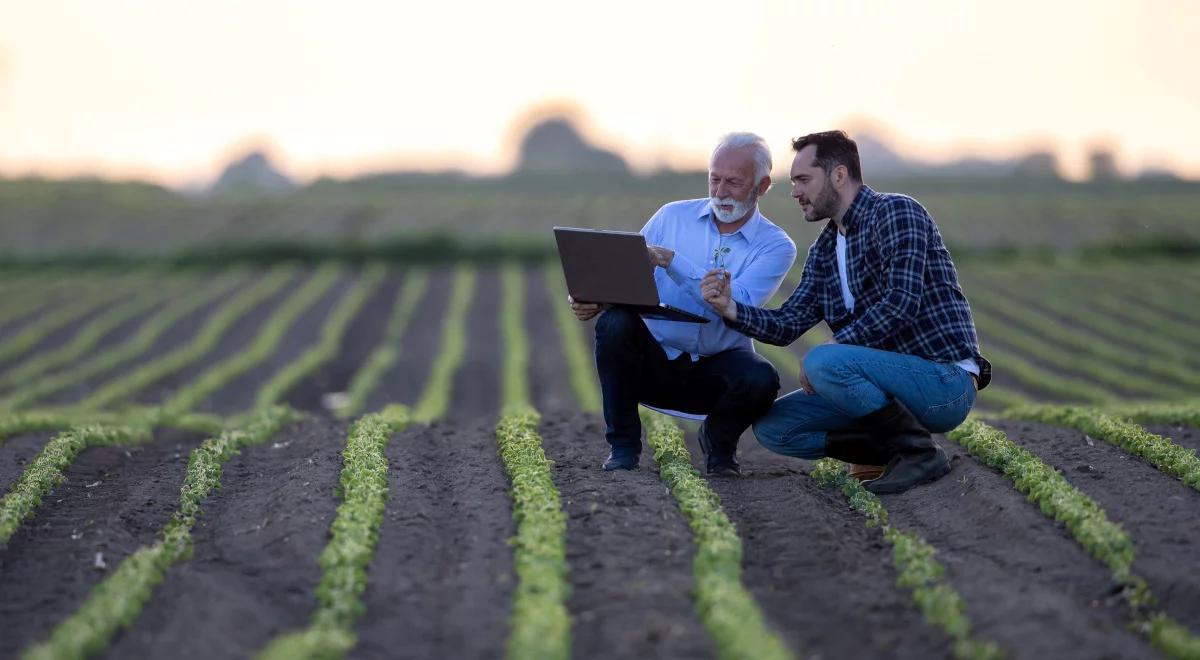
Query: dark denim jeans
point(733, 387)
point(851, 381)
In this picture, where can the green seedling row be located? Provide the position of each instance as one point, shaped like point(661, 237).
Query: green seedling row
point(116, 601)
point(85, 340)
point(724, 605)
point(435, 399)
point(1040, 380)
point(62, 317)
point(135, 347)
point(1156, 450)
point(331, 339)
point(46, 470)
point(514, 386)
point(1175, 412)
point(35, 421)
point(1088, 524)
point(261, 348)
point(916, 564)
point(385, 355)
point(204, 341)
point(580, 365)
point(1107, 364)
point(351, 548)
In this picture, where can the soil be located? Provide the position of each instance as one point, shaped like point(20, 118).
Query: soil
point(1026, 584)
point(305, 333)
point(113, 501)
point(442, 580)
point(420, 343)
point(54, 339)
point(237, 337)
point(14, 326)
point(1152, 507)
point(550, 386)
point(363, 336)
point(176, 336)
point(477, 383)
point(15, 454)
point(254, 572)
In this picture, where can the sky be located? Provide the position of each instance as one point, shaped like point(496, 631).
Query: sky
point(170, 90)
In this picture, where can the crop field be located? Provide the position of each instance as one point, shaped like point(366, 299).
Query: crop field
point(384, 460)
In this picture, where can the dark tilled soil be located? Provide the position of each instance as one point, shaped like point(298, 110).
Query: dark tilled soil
point(178, 335)
point(239, 394)
point(1026, 584)
point(1156, 510)
point(254, 573)
point(362, 337)
point(114, 501)
point(823, 579)
point(15, 454)
point(550, 385)
point(1184, 436)
point(419, 345)
point(476, 390)
point(237, 337)
point(629, 551)
point(442, 580)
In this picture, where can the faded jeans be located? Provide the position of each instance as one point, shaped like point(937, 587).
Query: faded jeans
point(852, 381)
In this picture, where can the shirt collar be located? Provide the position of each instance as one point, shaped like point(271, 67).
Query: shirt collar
point(748, 231)
point(857, 207)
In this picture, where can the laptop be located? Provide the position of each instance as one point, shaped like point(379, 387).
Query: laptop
point(612, 267)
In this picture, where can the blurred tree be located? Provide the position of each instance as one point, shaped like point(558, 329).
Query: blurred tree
point(554, 146)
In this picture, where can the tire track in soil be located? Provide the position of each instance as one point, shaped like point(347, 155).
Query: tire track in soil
point(476, 391)
point(15, 455)
point(237, 337)
point(45, 574)
point(254, 572)
point(363, 336)
point(421, 342)
point(629, 551)
point(1025, 582)
point(1158, 511)
point(550, 385)
point(179, 334)
point(823, 579)
point(239, 394)
point(441, 583)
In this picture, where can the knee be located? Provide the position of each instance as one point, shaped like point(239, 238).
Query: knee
point(760, 382)
point(616, 324)
point(820, 361)
point(775, 433)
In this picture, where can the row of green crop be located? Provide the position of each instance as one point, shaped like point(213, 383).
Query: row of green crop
point(915, 562)
point(203, 342)
point(273, 330)
point(1172, 412)
point(725, 607)
point(117, 600)
point(86, 339)
point(580, 365)
point(1156, 450)
point(435, 400)
point(1087, 522)
point(136, 346)
point(352, 539)
point(332, 334)
point(95, 299)
point(367, 378)
point(36, 295)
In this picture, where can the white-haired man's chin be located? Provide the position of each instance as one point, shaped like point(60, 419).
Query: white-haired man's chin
point(737, 210)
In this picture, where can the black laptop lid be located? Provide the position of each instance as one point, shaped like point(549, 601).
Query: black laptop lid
point(604, 266)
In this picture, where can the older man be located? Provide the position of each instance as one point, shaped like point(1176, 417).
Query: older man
point(904, 360)
point(706, 369)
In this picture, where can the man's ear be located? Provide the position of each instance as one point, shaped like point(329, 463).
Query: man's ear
point(840, 175)
point(764, 185)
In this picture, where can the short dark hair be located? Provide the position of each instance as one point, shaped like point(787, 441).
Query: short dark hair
point(833, 148)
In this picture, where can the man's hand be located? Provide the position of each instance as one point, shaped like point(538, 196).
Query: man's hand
point(660, 256)
point(718, 293)
point(584, 311)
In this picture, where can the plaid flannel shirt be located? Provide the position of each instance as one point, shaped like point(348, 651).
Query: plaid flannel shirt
point(907, 296)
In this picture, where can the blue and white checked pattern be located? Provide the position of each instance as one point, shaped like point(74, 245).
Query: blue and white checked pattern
point(908, 299)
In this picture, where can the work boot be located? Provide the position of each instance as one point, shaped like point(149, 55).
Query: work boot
point(719, 461)
point(917, 460)
point(857, 447)
point(622, 458)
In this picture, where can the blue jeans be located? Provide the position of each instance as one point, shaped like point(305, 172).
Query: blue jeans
point(852, 381)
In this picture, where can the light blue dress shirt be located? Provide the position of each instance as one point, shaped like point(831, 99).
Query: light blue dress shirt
point(758, 256)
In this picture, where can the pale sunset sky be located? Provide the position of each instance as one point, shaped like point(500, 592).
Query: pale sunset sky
point(170, 90)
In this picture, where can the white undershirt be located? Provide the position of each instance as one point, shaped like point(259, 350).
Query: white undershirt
point(969, 365)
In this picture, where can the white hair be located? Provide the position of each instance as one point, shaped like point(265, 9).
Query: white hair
point(762, 153)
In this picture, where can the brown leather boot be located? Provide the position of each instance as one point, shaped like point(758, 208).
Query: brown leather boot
point(857, 446)
point(918, 459)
